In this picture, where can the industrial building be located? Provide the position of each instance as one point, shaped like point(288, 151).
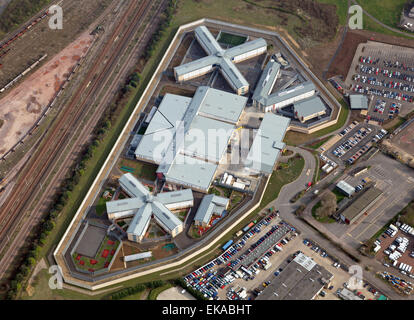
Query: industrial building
point(358, 102)
point(188, 137)
point(267, 144)
point(143, 206)
point(309, 109)
point(301, 279)
point(210, 205)
point(345, 188)
point(361, 205)
point(222, 59)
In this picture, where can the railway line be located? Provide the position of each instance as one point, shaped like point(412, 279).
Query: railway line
point(50, 150)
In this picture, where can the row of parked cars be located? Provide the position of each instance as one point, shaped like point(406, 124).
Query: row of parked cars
point(384, 83)
point(255, 246)
point(368, 60)
point(397, 64)
point(382, 93)
point(207, 281)
point(351, 142)
point(389, 73)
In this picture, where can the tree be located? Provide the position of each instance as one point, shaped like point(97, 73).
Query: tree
point(328, 205)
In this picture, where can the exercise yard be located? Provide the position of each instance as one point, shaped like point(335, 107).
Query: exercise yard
point(101, 260)
point(231, 39)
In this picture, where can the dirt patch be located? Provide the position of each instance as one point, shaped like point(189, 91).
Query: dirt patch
point(343, 60)
point(21, 107)
point(177, 90)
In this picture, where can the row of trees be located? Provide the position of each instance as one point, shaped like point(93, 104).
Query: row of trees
point(19, 281)
point(163, 25)
point(136, 289)
point(19, 11)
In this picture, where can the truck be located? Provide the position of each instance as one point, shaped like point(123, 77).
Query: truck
point(247, 228)
point(227, 245)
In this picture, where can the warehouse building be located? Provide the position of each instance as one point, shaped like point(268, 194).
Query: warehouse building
point(222, 59)
point(143, 206)
point(301, 279)
point(361, 205)
point(189, 144)
point(210, 205)
point(309, 109)
point(345, 188)
point(267, 144)
point(358, 102)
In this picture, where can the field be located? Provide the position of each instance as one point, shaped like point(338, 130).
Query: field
point(287, 173)
point(17, 12)
point(387, 11)
point(140, 169)
point(231, 39)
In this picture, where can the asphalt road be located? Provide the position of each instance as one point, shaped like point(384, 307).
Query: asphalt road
point(286, 213)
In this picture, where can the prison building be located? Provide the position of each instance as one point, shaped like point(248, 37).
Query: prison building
point(280, 99)
point(267, 144)
point(266, 82)
point(143, 206)
point(221, 59)
point(210, 205)
point(309, 109)
point(199, 139)
point(189, 172)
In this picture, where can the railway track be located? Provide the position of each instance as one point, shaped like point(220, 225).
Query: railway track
point(44, 158)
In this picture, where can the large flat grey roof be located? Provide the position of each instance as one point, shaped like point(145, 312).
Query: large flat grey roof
point(309, 107)
point(190, 172)
point(358, 101)
point(222, 105)
point(268, 143)
point(162, 128)
point(297, 281)
point(207, 138)
point(211, 204)
point(360, 204)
